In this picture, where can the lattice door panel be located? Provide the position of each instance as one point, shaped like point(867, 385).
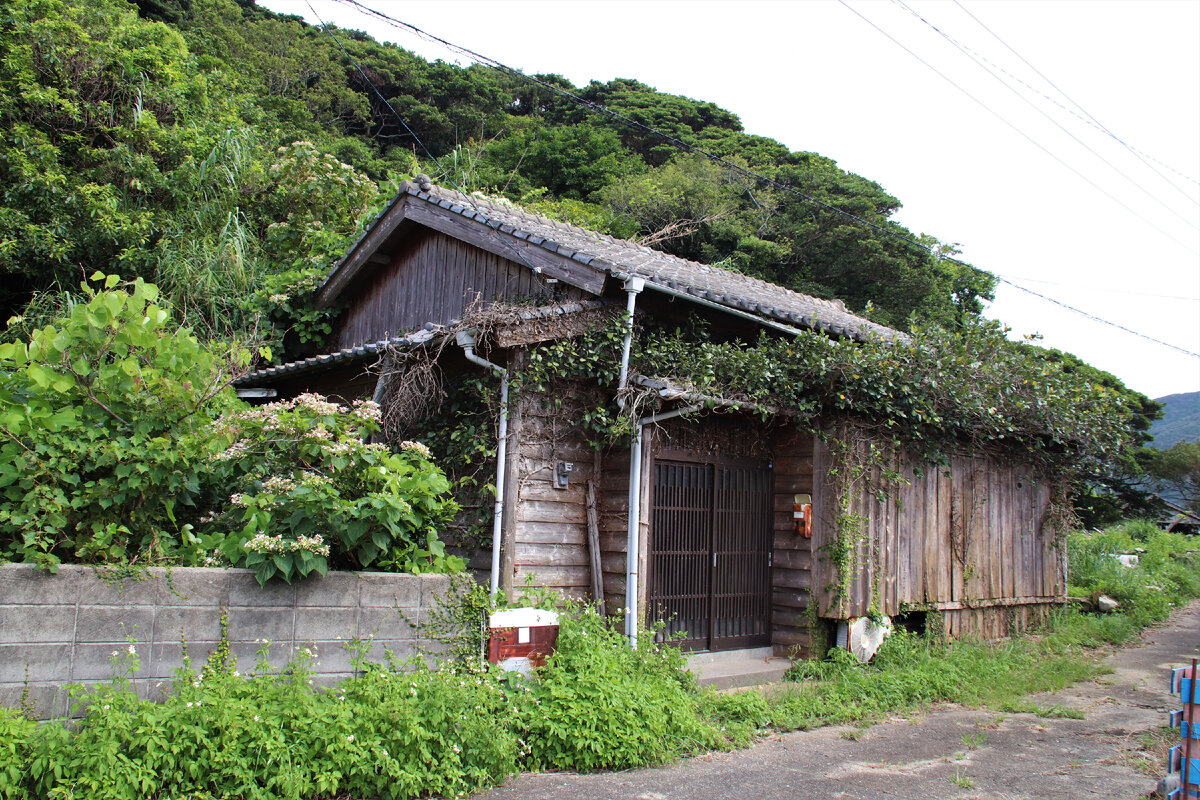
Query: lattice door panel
point(710, 553)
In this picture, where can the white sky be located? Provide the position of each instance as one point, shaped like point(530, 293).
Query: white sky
point(816, 76)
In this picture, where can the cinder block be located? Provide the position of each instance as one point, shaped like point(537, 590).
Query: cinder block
point(44, 662)
point(271, 623)
point(433, 588)
point(155, 690)
point(192, 586)
point(48, 701)
point(279, 655)
point(167, 657)
point(94, 662)
point(400, 651)
point(385, 623)
point(25, 584)
point(115, 623)
point(386, 590)
point(332, 656)
point(244, 591)
point(98, 587)
point(198, 623)
point(337, 589)
point(20, 624)
point(326, 623)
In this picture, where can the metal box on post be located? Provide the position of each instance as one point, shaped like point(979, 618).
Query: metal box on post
point(520, 639)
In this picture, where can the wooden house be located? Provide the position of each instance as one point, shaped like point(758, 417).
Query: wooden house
point(695, 524)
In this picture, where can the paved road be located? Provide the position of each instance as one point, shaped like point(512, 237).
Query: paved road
point(1020, 756)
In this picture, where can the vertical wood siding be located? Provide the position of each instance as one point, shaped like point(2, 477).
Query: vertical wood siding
point(432, 278)
point(968, 533)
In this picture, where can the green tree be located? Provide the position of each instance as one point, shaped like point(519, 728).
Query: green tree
point(1177, 470)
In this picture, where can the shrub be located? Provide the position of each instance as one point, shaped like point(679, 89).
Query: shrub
point(308, 493)
point(600, 704)
point(269, 735)
point(1166, 576)
point(100, 416)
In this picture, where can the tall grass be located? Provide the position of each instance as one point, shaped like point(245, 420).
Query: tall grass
point(912, 671)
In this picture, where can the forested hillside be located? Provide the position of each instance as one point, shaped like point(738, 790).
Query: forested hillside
point(1180, 421)
point(227, 154)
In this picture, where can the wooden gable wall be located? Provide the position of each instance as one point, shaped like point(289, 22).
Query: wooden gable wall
point(434, 278)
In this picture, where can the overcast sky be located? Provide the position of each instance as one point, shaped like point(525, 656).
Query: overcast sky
point(1081, 185)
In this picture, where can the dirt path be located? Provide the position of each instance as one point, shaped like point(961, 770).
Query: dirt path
point(949, 752)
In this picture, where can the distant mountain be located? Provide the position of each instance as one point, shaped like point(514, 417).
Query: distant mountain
point(1180, 422)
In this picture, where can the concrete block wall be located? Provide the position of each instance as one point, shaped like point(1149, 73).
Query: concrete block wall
point(57, 630)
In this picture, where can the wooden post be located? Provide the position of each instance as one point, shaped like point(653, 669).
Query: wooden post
point(593, 530)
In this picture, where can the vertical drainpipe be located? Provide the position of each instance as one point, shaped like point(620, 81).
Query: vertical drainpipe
point(633, 286)
point(466, 340)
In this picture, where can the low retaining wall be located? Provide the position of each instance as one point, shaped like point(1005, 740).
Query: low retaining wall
point(57, 630)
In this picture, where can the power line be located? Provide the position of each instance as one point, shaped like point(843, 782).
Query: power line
point(1091, 120)
point(679, 143)
point(1022, 133)
point(1101, 289)
point(1095, 318)
point(978, 59)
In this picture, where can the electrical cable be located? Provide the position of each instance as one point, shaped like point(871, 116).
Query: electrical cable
point(749, 173)
point(1096, 318)
point(979, 61)
point(1090, 119)
point(1022, 133)
point(1023, 279)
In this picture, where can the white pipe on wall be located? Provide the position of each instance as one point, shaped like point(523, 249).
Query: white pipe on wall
point(466, 340)
point(633, 286)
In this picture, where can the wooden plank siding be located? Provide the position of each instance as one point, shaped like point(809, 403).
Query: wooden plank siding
point(433, 278)
point(791, 569)
point(550, 524)
point(962, 536)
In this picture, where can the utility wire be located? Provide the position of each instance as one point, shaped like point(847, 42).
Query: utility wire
point(1095, 318)
point(1022, 133)
point(1091, 120)
point(1023, 279)
point(979, 60)
point(537, 272)
point(679, 143)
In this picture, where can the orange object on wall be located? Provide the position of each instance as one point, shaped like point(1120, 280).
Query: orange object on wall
point(802, 517)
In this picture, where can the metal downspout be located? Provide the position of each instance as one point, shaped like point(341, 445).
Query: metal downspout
point(633, 287)
point(466, 340)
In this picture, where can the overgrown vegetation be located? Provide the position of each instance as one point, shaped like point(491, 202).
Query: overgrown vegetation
point(404, 729)
point(210, 146)
point(121, 442)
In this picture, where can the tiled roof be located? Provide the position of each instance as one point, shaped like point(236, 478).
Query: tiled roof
point(415, 339)
point(620, 256)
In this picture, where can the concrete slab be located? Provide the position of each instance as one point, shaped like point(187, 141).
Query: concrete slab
point(736, 669)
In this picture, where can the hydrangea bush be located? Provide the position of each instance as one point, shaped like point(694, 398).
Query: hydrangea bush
point(309, 493)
